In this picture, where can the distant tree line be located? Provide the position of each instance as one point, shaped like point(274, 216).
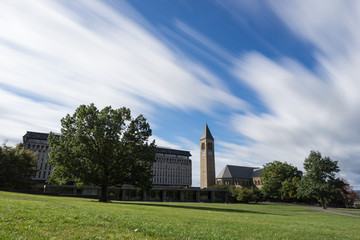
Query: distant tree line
point(282, 182)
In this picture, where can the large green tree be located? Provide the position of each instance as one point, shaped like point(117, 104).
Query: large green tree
point(17, 166)
point(279, 181)
point(319, 180)
point(102, 147)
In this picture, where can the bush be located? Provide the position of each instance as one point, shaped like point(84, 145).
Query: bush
point(245, 195)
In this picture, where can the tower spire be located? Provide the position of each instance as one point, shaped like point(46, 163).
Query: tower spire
point(206, 133)
point(207, 159)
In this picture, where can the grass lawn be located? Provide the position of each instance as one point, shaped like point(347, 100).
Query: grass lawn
point(351, 211)
point(25, 216)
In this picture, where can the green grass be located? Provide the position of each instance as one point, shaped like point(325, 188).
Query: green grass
point(25, 216)
point(351, 211)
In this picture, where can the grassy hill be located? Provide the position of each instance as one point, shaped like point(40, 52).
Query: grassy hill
point(24, 216)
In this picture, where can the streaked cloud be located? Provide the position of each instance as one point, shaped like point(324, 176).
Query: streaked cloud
point(69, 54)
point(204, 41)
point(308, 109)
point(57, 55)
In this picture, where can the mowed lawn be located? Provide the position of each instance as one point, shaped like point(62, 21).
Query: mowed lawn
point(25, 216)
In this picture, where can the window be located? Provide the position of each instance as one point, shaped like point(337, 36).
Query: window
point(203, 146)
point(210, 146)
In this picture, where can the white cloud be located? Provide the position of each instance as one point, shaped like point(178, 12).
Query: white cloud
point(18, 115)
point(68, 54)
point(204, 41)
point(331, 27)
point(163, 143)
point(54, 57)
point(307, 110)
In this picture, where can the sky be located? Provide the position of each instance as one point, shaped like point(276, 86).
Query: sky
point(272, 79)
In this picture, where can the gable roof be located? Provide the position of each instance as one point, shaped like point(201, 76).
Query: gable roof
point(206, 134)
point(231, 171)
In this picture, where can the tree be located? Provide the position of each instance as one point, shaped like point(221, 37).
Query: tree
point(102, 147)
point(348, 195)
point(258, 195)
point(241, 194)
point(280, 181)
point(17, 166)
point(319, 180)
point(245, 195)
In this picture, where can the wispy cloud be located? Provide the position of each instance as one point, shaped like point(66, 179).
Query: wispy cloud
point(69, 54)
point(307, 109)
point(204, 41)
point(57, 55)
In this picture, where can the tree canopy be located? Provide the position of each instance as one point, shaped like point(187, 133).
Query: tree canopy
point(17, 166)
point(279, 181)
point(102, 147)
point(319, 180)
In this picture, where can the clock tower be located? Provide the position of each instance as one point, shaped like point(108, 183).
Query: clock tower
point(207, 159)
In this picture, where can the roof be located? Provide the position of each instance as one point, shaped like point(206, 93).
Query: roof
point(36, 135)
point(257, 172)
point(172, 151)
point(231, 171)
point(206, 134)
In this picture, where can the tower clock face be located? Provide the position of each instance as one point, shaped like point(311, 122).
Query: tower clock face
point(210, 153)
point(203, 153)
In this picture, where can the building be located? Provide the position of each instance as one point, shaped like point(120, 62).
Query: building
point(207, 159)
point(37, 142)
point(172, 167)
point(257, 177)
point(239, 176)
point(230, 175)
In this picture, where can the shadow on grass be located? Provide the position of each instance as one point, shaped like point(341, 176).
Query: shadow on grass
point(195, 208)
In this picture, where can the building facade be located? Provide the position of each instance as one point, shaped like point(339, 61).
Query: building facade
point(207, 159)
point(239, 176)
point(172, 167)
point(37, 142)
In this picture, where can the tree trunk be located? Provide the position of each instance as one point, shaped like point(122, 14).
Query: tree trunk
point(323, 203)
point(104, 194)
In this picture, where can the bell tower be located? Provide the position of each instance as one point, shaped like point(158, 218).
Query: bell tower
point(207, 159)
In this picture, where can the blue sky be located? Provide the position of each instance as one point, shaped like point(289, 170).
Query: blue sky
point(272, 79)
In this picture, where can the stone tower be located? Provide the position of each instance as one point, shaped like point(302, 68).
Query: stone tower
point(207, 159)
